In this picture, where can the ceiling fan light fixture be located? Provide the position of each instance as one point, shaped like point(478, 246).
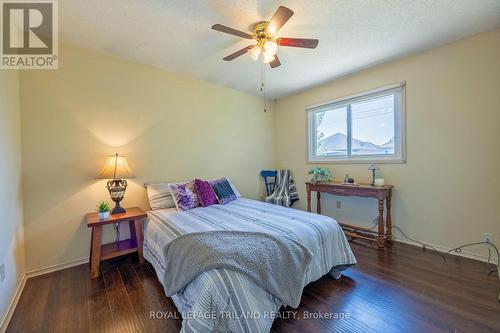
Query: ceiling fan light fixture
point(254, 52)
point(264, 35)
point(268, 57)
point(270, 47)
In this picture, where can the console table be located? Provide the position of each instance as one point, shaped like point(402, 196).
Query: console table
point(382, 193)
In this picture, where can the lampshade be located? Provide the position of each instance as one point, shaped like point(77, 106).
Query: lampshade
point(116, 167)
point(373, 166)
point(268, 58)
point(254, 52)
point(271, 47)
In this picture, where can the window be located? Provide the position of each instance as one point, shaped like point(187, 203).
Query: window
point(367, 127)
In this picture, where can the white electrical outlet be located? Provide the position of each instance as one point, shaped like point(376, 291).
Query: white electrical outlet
point(2, 273)
point(339, 204)
point(488, 237)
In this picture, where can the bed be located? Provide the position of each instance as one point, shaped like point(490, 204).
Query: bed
point(224, 300)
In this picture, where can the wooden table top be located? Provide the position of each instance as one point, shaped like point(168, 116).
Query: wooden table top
point(354, 186)
point(133, 213)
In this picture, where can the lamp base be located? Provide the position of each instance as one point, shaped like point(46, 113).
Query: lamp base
point(116, 188)
point(118, 209)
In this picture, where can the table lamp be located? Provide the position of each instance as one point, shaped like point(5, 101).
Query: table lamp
point(117, 169)
point(373, 167)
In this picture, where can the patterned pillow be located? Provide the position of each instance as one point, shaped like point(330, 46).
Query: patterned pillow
point(223, 190)
point(184, 196)
point(205, 193)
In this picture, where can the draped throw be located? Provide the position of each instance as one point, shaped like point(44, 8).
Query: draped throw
point(285, 193)
point(276, 263)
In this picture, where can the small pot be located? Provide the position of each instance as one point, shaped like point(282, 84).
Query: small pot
point(104, 215)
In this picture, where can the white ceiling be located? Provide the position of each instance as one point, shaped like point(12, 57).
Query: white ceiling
point(353, 34)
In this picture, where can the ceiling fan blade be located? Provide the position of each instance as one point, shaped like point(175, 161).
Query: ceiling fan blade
point(275, 63)
point(280, 17)
point(238, 53)
point(298, 42)
point(231, 31)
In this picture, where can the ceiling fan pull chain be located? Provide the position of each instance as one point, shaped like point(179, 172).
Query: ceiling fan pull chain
point(262, 84)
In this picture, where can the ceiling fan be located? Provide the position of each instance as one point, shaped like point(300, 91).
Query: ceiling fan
point(267, 44)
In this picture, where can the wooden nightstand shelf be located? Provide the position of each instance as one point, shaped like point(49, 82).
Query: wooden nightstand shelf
point(100, 252)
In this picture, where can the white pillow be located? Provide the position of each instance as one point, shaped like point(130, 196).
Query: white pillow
point(159, 196)
point(238, 194)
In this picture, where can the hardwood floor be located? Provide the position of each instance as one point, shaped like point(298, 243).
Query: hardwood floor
point(401, 289)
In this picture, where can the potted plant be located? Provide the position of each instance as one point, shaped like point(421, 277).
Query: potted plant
point(320, 175)
point(103, 210)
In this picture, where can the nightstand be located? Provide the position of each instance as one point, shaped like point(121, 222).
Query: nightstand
point(100, 252)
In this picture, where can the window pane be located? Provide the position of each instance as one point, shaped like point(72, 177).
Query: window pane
point(331, 132)
point(373, 126)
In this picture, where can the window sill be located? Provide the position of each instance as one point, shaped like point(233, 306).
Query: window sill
point(357, 161)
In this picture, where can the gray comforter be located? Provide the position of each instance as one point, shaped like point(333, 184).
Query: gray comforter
point(276, 263)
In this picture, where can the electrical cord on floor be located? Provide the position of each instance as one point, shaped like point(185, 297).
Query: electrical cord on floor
point(459, 250)
point(489, 257)
point(424, 246)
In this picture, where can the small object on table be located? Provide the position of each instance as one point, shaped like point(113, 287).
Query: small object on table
point(103, 210)
point(373, 167)
point(348, 180)
point(382, 193)
point(117, 169)
point(349, 184)
point(379, 182)
point(100, 252)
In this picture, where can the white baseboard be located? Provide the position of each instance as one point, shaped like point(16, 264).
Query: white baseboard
point(58, 267)
point(12, 306)
point(444, 249)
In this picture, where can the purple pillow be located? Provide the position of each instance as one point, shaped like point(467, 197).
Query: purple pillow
point(205, 193)
point(184, 196)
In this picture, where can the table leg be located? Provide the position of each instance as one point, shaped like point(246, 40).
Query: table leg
point(139, 240)
point(91, 245)
point(95, 252)
point(388, 220)
point(308, 200)
point(381, 234)
point(131, 226)
point(318, 202)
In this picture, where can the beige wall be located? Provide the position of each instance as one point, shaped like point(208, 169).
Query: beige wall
point(171, 128)
point(11, 210)
point(448, 192)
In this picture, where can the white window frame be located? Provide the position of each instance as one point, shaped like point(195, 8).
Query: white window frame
point(399, 127)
